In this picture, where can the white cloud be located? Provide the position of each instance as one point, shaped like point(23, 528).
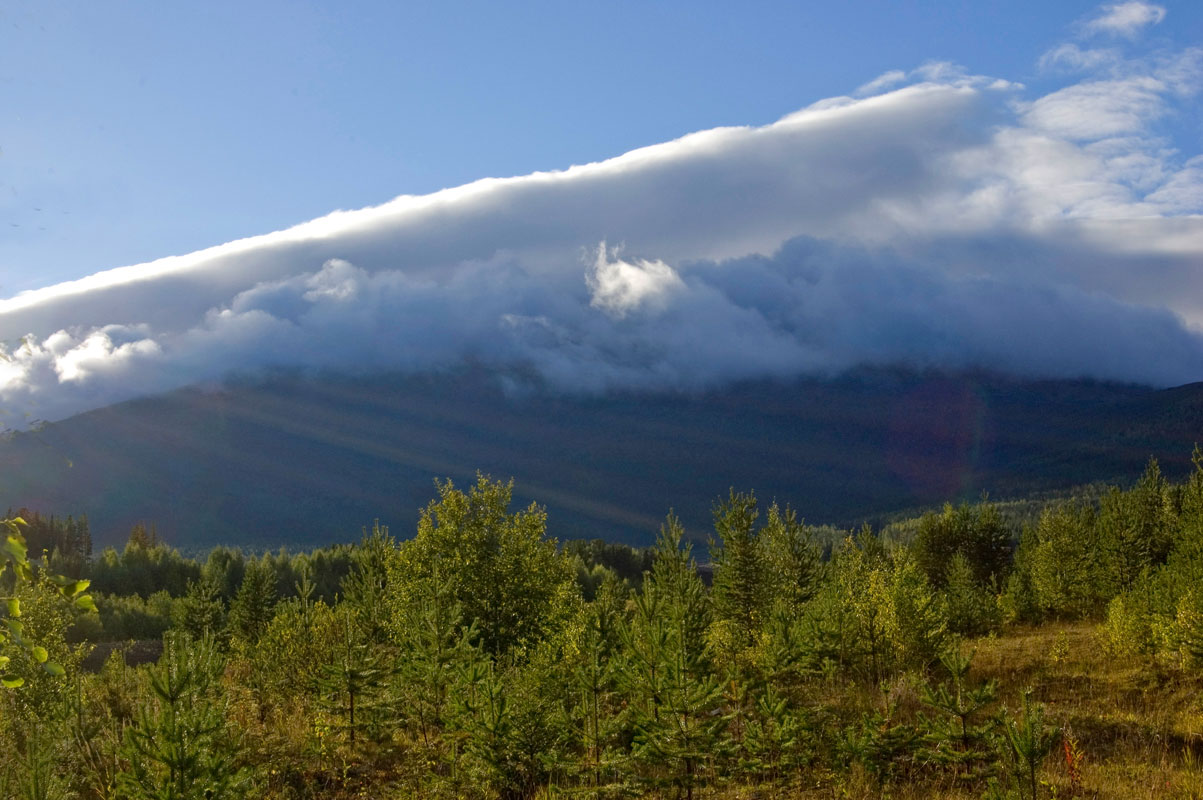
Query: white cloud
point(1099, 109)
point(887, 80)
point(619, 287)
point(1126, 19)
point(1069, 56)
point(948, 221)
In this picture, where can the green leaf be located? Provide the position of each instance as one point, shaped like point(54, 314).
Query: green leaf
point(14, 607)
point(12, 681)
point(39, 654)
point(15, 549)
point(85, 603)
point(54, 669)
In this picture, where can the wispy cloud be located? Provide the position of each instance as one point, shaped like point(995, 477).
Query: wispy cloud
point(1070, 56)
point(937, 218)
point(1125, 19)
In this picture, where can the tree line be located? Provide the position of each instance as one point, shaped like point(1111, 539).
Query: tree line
point(481, 659)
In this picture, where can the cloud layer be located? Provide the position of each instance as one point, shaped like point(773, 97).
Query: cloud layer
point(936, 218)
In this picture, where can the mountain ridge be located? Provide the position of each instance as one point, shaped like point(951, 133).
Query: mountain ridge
point(299, 460)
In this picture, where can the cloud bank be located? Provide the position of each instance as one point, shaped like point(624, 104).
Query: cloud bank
point(936, 218)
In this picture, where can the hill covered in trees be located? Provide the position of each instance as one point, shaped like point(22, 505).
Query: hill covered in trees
point(952, 655)
point(305, 461)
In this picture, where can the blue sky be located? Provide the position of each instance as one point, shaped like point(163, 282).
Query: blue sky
point(632, 196)
point(136, 130)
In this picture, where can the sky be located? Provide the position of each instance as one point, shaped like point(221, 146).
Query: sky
point(633, 195)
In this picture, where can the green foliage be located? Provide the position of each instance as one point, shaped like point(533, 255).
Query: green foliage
point(37, 657)
point(223, 570)
point(251, 610)
point(1137, 526)
point(351, 684)
point(1028, 739)
point(972, 608)
point(127, 617)
point(1072, 576)
point(439, 650)
point(499, 566)
point(1018, 602)
point(477, 661)
point(675, 699)
point(511, 731)
point(180, 747)
point(593, 657)
point(201, 612)
point(367, 588)
point(628, 563)
point(739, 589)
point(978, 533)
point(21, 647)
point(884, 742)
point(791, 559)
point(778, 740)
point(301, 635)
point(962, 736)
point(143, 570)
point(876, 614)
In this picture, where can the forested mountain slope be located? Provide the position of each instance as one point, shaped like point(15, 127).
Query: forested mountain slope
point(296, 460)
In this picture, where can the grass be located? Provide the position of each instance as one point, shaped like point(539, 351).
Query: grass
point(1138, 726)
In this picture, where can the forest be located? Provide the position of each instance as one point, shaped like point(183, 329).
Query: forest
point(967, 652)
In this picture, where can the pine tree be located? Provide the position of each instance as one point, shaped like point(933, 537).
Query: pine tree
point(1072, 571)
point(675, 699)
point(180, 748)
point(367, 588)
point(972, 608)
point(595, 667)
point(976, 532)
point(791, 559)
point(739, 570)
point(961, 738)
point(251, 610)
point(1028, 739)
point(200, 612)
point(353, 682)
point(436, 643)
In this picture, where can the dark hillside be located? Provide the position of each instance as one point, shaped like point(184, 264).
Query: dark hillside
point(304, 461)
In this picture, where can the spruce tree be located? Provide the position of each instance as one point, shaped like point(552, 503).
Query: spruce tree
point(351, 684)
point(976, 532)
point(972, 608)
point(675, 698)
point(200, 612)
point(180, 747)
point(595, 667)
point(791, 560)
point(960, 738)
point(251, 610)
point(739, 569)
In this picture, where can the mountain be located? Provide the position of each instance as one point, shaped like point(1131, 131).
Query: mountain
point(298, 461)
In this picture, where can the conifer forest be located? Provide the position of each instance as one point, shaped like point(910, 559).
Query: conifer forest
point(1046, 648)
